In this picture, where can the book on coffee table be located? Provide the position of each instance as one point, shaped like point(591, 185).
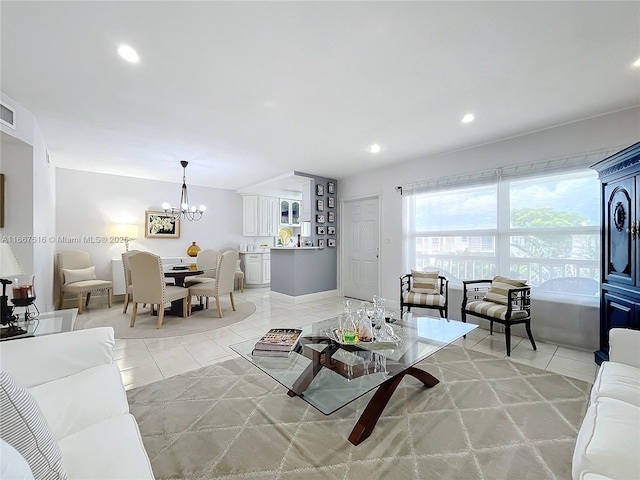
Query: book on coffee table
point(278, 342)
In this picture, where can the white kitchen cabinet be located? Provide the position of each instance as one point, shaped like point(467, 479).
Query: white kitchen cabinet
point(252, 269)
point(250, 215)
point(260, 216)
point(257, 268)
point(305, 205)
point(266, 268)
point(290, 212)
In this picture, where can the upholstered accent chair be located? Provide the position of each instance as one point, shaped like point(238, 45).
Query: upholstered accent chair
point(147, 279)
point(77, 275)
point(502, 300)
point(424, 290)
point(128, 295)
point(207, 260)
point(223, 284)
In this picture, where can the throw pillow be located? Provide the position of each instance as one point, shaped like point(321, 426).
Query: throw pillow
point(24, 427)
point(498, 292)
point(78, 275)
point(425, 282)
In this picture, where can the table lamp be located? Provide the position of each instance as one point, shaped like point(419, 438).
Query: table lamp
point(128, 232)
point(9, 266)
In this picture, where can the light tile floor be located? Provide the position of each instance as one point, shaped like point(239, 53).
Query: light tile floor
point(143, 361)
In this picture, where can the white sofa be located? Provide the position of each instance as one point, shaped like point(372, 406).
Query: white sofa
point(608, 442)
point(80, 393)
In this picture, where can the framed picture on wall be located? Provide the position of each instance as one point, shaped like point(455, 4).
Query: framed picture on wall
point(161, 225)
point(321, 230)
point(331, 187)
point(331, 217)
point(331, 202)
point(331, 230)
point(320, 218)
point(331, 242)
point(320, 189)
point(321, 243)
point(320, 205)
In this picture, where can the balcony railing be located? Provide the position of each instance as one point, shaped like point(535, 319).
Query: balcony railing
point(536, 271)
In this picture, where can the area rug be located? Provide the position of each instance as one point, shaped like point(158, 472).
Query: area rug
point(488, 418)
point(172, 326)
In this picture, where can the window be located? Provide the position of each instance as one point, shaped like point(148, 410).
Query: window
point(545, 229)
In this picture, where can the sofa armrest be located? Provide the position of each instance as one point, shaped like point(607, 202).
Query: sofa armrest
point(37, 360)
point(624, 346)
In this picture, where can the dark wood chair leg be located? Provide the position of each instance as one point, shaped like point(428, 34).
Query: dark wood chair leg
point(527, 325)
point(507, 334)
point(463, 316)
point(490, 327)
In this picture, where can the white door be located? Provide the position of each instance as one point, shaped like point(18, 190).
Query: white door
point(361, 240)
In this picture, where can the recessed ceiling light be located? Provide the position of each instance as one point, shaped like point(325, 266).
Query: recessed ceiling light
point(375, 148)
point(636, 63)
point(128, 53)
point(468, 118)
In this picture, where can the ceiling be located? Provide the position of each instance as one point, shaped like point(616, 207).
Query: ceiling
point(247, 91)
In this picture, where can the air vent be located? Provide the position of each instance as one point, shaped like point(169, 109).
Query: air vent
point(7, 116)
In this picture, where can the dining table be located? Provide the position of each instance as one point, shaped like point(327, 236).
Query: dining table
point(179, 273)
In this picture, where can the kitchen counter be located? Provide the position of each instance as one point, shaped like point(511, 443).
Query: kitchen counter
point(303, 270)
point(295, 248)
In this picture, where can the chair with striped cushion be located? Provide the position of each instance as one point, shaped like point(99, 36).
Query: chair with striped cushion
point(502, 300)
point(424, 290)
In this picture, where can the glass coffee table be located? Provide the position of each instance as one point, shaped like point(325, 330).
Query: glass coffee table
point(329, 375)
point(46, 323)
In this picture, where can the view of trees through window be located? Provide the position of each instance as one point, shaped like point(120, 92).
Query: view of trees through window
point(543, 229)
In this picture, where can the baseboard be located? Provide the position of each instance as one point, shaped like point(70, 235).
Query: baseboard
point(304, 298)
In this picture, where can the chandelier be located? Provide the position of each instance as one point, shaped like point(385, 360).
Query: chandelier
point(189, 212)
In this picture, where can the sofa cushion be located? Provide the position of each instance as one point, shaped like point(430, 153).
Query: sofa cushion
point(78, 275)
point(13, 466)
point(24, 427)
point(619, 381)
point(608, 441)
point(112, 449)
point(425, 282)
point(78, 401)
point(499, 289)
point(495, 310)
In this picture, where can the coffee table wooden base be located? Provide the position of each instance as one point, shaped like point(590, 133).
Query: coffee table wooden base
point(378, 402)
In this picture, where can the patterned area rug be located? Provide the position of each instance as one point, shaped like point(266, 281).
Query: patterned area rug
point(172, 326)
point(487, 419)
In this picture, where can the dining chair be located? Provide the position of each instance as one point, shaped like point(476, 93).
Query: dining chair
point(147, 279)
point(77, 275)
point(128, 295)
point(207, 261)
point(239, 275)
point(223, 284)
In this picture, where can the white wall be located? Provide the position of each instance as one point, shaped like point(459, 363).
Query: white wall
point(566, 325)
point(90, 204)
point(29, 195)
